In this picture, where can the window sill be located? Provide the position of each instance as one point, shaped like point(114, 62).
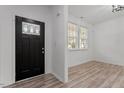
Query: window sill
point(78, 49)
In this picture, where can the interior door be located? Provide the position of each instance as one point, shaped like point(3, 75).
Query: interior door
point(30, 52)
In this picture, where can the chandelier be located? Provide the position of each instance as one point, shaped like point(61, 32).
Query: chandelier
point(117, 8)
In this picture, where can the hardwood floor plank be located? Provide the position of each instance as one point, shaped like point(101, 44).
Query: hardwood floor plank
point(119, 82)
point(88, 75)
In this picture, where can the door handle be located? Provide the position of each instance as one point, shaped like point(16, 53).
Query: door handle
point(42, 52)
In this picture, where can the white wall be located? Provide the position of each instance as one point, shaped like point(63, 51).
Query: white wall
point(76, 57)
point(60, 67)
point(0, 57)
point(7, 37)
point(109, 41)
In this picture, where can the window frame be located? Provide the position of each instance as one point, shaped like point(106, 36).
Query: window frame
point(78, 36)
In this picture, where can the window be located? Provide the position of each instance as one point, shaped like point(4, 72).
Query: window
point(83, 38)
point(77, 37)
point(28, 28)
point(72, 36)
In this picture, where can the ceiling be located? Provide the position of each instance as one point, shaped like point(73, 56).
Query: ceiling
point(94, 14)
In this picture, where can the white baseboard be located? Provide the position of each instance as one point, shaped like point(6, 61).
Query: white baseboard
point(121, 63)
point(81, 62)
point(3, 85)
point(110, 61)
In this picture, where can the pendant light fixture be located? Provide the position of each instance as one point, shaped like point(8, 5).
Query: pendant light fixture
point(117, 8)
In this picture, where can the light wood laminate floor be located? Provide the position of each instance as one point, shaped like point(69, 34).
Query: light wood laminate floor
point(88, 75)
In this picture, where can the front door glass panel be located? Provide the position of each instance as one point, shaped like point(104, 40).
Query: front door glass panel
point(32, 29)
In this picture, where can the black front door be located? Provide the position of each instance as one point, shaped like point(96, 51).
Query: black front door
point(29, 47)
